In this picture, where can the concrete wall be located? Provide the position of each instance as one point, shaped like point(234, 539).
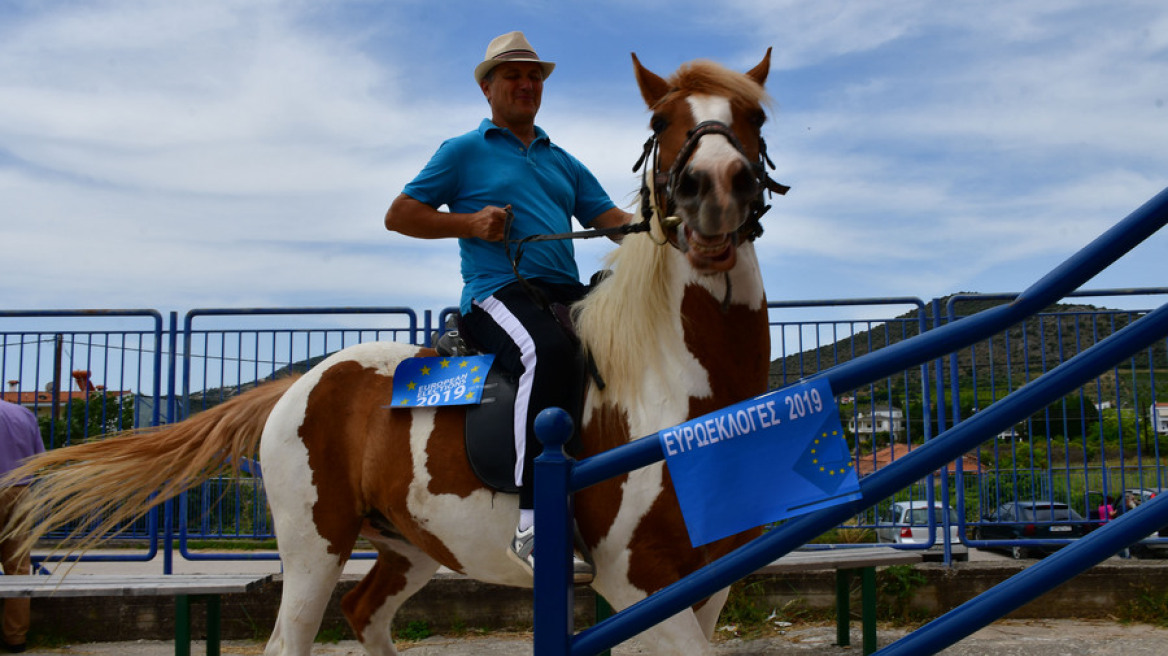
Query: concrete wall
point(456, 603)
point(1097, 593)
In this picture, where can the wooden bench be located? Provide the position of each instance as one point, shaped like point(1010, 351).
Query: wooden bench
point(846, 563)
point(183, 587)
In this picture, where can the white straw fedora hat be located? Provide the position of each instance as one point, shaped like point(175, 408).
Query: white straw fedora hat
point(512, 46)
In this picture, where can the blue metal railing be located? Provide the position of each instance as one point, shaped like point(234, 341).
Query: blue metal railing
point(557, 477)
point(1040, 481)
point(258, 353)
point(182, 517)
point(103, 353)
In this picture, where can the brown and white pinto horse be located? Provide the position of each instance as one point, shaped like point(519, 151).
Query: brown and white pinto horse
point(677, 331)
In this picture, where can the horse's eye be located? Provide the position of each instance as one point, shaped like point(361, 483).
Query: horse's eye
point(758, 119)
point(659, 123)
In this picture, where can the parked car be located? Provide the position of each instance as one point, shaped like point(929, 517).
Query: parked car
point(907, 522)
point(1143, 494)
point(1031, 520)
point(1158, 548)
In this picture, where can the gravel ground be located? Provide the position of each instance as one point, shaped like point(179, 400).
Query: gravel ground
point(1004, 638)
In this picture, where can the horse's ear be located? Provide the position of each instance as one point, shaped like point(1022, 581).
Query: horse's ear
point(653, 87)
point(759, 73)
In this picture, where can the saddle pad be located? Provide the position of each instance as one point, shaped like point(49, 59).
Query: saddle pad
point(436, 381)
point(490, 433)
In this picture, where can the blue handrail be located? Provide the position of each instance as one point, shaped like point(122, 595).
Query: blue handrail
point(557, 476)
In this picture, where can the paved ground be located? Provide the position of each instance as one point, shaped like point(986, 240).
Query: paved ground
point(1006, 638)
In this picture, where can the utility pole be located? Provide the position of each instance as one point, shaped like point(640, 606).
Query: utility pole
point(56, 392)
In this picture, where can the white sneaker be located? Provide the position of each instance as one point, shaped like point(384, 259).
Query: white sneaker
point(522, 551)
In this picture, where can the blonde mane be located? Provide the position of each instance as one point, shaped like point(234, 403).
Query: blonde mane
point(620, 320)
point(709, 78)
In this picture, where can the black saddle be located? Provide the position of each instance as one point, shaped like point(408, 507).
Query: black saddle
point(489, 431)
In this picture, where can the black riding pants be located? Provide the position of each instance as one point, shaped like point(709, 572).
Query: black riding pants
point(529, 343)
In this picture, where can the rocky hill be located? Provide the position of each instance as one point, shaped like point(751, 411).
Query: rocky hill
point(1039, 343)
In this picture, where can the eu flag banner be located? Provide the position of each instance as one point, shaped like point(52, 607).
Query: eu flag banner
point(428, 382)
point(776, 456)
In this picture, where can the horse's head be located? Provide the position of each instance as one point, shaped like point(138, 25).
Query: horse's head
point(706, 174)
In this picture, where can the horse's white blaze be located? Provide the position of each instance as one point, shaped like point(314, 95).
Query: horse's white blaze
point(710, 108)
point(714, 152)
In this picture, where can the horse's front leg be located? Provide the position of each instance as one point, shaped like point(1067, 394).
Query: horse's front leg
point(680, 635)
point(684, 634)
point(708, 612)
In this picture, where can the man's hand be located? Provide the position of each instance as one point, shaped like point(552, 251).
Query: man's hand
point(417, 219)
point(489, 223)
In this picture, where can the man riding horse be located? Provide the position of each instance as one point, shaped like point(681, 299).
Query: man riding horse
point(505, 181)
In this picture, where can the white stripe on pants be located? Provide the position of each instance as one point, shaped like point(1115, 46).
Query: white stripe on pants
point(518, 333)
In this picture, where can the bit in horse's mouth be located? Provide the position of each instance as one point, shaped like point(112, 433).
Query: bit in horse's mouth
point(710, 253)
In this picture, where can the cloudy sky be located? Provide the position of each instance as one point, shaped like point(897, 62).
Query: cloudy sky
point(242, 153)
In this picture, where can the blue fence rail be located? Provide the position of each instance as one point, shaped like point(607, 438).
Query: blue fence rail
point(558, 477)
point(1075, 451)
point(171, 373)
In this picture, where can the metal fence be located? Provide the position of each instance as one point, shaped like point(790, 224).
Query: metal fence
point(1094, 443)
point(1141, 342)
point(1089, 447)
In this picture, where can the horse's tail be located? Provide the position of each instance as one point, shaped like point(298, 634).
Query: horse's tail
point(105, 484)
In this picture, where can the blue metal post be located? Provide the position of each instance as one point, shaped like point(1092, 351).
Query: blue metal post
point(168, 507)
point(553, 521)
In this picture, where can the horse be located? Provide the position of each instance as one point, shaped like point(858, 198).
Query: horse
point(678, 329)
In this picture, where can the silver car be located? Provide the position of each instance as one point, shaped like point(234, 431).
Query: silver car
point(907, 522)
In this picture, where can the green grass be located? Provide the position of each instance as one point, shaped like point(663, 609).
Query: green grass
point(1151, 607)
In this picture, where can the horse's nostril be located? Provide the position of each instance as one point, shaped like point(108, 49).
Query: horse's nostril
point(744, 184)
point(690, 183)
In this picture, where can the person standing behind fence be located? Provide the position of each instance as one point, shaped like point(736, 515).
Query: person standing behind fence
point(1106, 511)
point(20, 438)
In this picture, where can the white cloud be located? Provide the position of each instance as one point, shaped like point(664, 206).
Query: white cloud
point(244, 152)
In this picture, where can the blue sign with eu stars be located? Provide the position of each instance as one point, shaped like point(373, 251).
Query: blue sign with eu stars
point(429, 382)
point(772, 457)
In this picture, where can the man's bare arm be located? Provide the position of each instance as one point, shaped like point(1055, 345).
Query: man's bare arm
point(611, 219)
point(417, 219)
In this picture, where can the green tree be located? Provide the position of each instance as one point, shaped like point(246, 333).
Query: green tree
point(1114, 424)
point(101, 413)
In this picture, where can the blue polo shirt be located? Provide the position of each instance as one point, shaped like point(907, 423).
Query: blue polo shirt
point(545, 187)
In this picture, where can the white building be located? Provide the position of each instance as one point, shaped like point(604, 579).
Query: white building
point(1158, 416)
point(879, 419)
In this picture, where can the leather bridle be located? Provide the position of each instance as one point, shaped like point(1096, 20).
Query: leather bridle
point(657, 199)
